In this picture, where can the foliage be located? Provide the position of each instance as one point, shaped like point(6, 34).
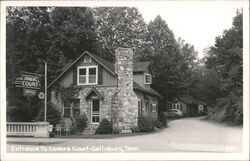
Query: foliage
point(81, 122)
point(105, 127)
point(145, 124)
point(224, 59)
point(170, 59)
point(38, 34)
point(119, 27)
point(30, 106)
point(158, 124)
point(53, 115)
point(163, 119)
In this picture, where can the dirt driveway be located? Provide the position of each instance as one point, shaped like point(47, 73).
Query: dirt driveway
point(182, 135)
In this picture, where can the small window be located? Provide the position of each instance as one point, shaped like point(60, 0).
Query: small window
point(176, 106)
point(147, 78)
point(87, 59)
point(154, 107)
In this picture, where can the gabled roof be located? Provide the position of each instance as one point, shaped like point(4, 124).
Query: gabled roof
point(149, 90)
point(137, 67)
point(141, 66)
point(109, 66)
point(190, 100)
point(93, 90)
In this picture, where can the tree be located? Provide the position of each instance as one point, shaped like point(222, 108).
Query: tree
point(170, 59)
point(119, 27)
point(38, 34)
point(225, 59)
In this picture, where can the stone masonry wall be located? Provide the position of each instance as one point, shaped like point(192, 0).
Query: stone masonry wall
point(124, 103)
point(85, 105)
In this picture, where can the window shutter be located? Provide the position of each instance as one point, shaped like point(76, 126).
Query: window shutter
point(99, 74)
point(74, 75)
point(181, 106)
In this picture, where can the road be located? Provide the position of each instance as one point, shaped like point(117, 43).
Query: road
point(182, 135)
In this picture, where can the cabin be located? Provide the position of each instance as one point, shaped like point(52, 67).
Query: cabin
point(189, 106)
point(119, 92)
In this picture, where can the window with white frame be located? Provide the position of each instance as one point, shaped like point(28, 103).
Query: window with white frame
point(87, 59)
point(87, 75)
point(147, 78)
point(154, 107)
point(95, 111)
point(176, 106)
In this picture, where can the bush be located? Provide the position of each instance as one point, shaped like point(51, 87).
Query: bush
point(158, 124)
point(80, 123)
point(105, 127)
point(53, 115)
point(163, 119)
point(145, 124)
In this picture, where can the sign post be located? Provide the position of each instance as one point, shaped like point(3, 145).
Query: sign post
point(45, 93)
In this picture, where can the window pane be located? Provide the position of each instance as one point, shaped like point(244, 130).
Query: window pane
point(76, 103)
point(82, 79)
point(92, 78)
point(82, 71)
point(95, 106)
point(66, 103)
point(67, 112)
point(76, 112)
point(92, 71)
point(95, 118)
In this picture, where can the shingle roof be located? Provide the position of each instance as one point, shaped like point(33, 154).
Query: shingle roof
point(190, 100)
point(149, 90)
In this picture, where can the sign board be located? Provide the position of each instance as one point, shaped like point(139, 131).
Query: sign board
point(29, 92)
point(28, 81)
point(50, 128)
point(125, 131)
point(41, 95)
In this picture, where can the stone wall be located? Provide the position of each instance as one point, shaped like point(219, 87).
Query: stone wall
point(125, 101)
point(85, 105)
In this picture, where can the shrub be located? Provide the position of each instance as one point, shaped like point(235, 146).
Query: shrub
point(158, 124)
point(163, 119)
point(53, 115)
point(80, 123)
point(105, 127)
point(145, 124)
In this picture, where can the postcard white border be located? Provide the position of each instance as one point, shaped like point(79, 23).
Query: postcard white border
point(124, 156)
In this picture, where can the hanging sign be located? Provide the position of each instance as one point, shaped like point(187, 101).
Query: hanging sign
point(28, 81)
point(29, 92)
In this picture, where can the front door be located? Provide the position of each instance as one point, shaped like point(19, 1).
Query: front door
point(95, 111)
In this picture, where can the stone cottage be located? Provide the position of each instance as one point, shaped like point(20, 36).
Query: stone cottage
point(119, 92)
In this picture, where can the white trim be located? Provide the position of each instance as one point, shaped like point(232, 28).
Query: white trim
point(147, 74)
point(87, 74)
point(91, 104)
point(176, 106)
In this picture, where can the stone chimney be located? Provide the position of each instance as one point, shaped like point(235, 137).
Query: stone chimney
point(125, 106)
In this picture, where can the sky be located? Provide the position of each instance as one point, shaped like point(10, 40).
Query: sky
point(198, 23)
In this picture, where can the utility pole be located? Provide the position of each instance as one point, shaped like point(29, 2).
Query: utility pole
point(45, 93)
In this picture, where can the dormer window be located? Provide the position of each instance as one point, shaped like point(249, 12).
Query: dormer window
point(87, 59)
point(147, 78)
point(87, 75)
